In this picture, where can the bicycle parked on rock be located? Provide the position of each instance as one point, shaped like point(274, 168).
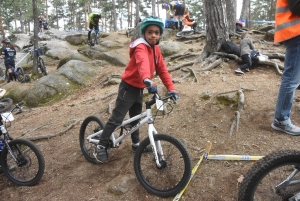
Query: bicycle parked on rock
point(166, 170)
point(274, 177)
point(40, 62)
point(21, 160)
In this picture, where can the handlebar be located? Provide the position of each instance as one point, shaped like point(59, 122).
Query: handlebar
point(157, 97)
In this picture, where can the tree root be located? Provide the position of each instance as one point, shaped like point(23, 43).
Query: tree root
point(53, 135)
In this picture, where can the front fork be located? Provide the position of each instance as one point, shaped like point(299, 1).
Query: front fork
point(156, 146)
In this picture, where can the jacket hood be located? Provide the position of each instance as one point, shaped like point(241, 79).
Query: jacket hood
point(136, 43)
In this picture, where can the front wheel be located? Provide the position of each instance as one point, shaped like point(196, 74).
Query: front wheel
point(20, 74)
point(184, 33)
point(175, 170)
point(30, 165)
point(89, 126)
point(265, 180)
point(5, 104)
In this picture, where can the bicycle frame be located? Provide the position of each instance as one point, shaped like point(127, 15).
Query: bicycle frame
point(146, 117)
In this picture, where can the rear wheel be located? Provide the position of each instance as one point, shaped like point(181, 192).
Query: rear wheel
point(30, 165)
point(96, 39)
point(90, 125)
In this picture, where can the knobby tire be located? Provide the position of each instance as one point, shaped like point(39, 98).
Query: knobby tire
point(175, 172)
point(42, 66)
point(5, 104)
point(90, 125)
point(33, 165)
point(260, 181)
point(20, 74)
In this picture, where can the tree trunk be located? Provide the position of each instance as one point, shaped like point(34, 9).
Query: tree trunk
point(216, 26)
point(231, 15)
point(245, 12)
point(153, 8)
point(35, 36)
point(1, 28)
point(137, 11)
point(114, 15)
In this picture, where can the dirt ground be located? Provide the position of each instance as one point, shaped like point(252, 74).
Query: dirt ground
point(69, 176)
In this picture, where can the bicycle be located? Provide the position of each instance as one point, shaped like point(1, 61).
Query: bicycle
point(164, 172)
point(40, 62)
point(187, 31)
point(274, 177)
point(94, 38)
point(17, 72)
point(21, 160)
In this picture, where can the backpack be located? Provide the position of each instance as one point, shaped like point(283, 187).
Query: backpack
point(230, 47)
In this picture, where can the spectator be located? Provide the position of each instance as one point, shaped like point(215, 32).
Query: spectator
point(93, 22)
point(178, 9)
point(40, 22)
point(246, 46)
point(187, 20)
point(9, 55)
point(138, 75)
point(287, 32)
point(45, 24)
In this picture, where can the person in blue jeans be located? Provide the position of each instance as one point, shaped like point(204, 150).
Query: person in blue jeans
point(287, 32)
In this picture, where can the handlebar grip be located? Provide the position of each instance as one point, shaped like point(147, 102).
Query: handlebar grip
point(20, 103)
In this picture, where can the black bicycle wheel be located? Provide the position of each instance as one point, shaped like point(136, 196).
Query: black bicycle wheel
point(42, 66)
point(90, 125)
point(262, 180)
point(20, 74)
point(31, 164)
point(5, 104)
point(175, 170)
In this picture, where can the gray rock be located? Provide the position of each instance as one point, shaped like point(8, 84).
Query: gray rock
point(169, 48)
point(61, 83)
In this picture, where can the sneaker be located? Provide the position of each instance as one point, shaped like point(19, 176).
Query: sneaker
point(247, 69)
point(288, 128)
point(239, 71)
point(147, 149)
point(101, 154)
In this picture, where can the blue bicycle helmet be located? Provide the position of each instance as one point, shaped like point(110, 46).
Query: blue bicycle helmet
point(152, 21)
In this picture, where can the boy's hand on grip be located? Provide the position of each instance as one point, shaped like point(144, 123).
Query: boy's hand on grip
point(151, 86)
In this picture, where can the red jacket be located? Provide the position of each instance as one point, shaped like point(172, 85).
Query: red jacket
point(141, 65)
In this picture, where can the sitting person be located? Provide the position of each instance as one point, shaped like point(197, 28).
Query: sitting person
point(246, 46)
point(45, 24)
point(187, 20)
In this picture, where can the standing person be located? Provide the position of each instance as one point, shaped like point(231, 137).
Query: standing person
point(40, 22)
point(9, 55)
point(246, 46)
point(93, 22)
point(145, 58)
point(287, 32)
point(45, 24)
point(187, 20)
point(178, 9)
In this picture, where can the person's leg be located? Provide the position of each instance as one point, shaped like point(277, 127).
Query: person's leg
point(195, 27)
point(176, 22)
point(290, 81)
point(136, 109)
point(90, 30)
point(126, 98)
point(246, 58)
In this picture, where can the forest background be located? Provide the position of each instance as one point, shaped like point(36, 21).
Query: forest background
point(17, 16)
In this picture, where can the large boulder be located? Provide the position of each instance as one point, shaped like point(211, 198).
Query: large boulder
point(169, 48)
point(61, 83)
point(77, 39)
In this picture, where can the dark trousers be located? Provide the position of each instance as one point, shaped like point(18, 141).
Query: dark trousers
point(247, 60)
point(91, 26)
point(129, 99)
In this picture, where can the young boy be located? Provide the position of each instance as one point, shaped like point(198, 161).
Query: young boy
point(246, 46)
point(145, 58)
